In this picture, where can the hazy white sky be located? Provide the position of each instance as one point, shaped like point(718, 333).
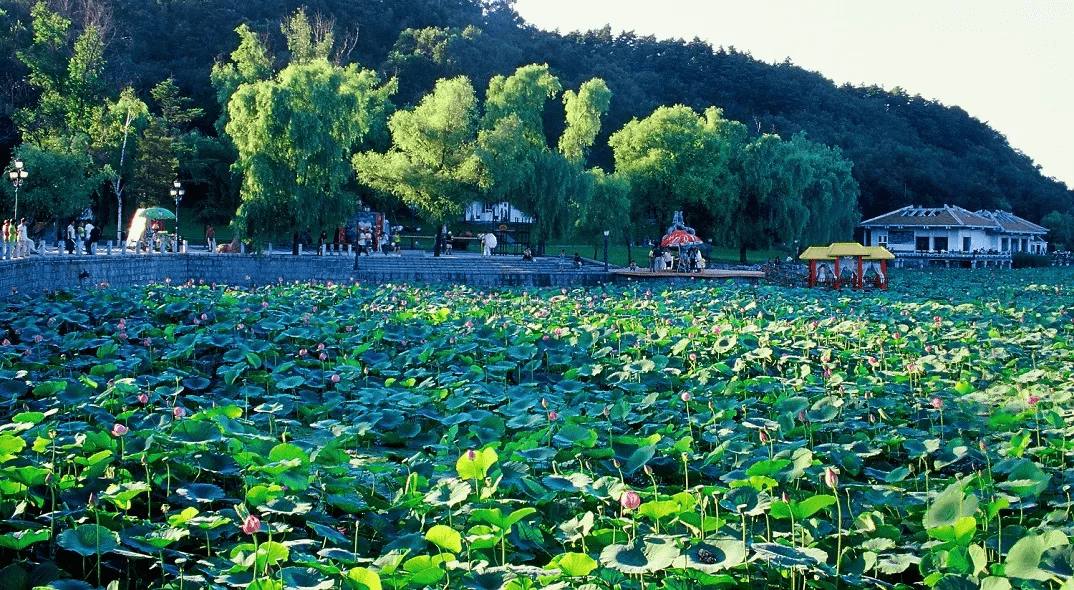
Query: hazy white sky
point(1009, 63)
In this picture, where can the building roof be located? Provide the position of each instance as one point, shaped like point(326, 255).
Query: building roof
point(815, 253)
point(932, 216)
point(879, 253)
point(949, 215)
point(848, 249)
point(1012, 223)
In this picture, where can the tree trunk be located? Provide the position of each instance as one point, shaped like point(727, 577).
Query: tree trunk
point(294, 245)
point(742, 254)
point(439, 241)
point(119, 217)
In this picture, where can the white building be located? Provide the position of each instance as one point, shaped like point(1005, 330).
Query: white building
point(953, 236)
point(503, 212)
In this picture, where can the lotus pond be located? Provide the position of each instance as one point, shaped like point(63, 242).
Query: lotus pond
point(396, 436)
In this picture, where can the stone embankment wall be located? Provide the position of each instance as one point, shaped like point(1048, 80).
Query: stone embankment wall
point(38, 274)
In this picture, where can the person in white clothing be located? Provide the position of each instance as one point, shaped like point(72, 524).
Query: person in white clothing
point(25, 247)
point(89, 237)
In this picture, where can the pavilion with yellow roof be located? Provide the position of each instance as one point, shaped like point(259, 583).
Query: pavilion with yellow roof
point(827, 263)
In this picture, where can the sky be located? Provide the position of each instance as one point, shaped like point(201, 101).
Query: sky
point(1009, 63)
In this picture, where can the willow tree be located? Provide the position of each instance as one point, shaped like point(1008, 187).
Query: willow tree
point(676, 160)
point(791, 191)
point(519, 166)
point(431, 165)
point(294, 134)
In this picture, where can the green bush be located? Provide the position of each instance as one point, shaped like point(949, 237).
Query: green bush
point(1026, 260)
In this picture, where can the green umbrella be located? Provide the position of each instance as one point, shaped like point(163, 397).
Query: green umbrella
point(157, 213)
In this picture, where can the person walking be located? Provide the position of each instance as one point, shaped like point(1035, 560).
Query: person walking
point(12, 236)
point(89, 237)
point(3, 243)
point(69, 237)
point(80, 237)
point(210, 238)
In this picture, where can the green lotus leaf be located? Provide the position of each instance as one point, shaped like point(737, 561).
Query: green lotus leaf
point(201, 492)
point(427, 569)
point(1026, 479)
point(88, 539)
point(783, 556)
point(361, 578)
point(715, 554)
point(478, 466)
point(20, 540)
point(575, 564)
point(445, 538)
point(196, 432)
point(306, 579)
point(642, 556)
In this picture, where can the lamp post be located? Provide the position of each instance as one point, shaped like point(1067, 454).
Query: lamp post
point(606, 250)
point(17, 175)
point(177, 191)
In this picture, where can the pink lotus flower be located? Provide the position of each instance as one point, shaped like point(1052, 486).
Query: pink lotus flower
point(320, 346)
point(322, 356)
point(685, 396)
point(302, 352)
point(1032, 400)
point(552, 416)
point(204, 317)
point(630, 500)
point(178, 412)
point(764, 437)
point(471, 454)
point(335, 378)
point(119, 429)
point(251, 525)
point(937, 403)
point(831, 478)
point(143, 398)
point(264, 304)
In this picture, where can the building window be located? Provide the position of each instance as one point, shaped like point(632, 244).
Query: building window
point(922, 243)
point(939, 244)
point(966, 244)
point(1003, 245)
point(488, 207)
point(882, 240)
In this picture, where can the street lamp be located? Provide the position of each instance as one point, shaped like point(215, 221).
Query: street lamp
point(605, 250)
point(177, 191)
point(17, 175)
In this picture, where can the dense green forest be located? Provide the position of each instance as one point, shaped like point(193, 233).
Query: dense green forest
point(904, 149)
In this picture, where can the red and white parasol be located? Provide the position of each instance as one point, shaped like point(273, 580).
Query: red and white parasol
point(679, 238)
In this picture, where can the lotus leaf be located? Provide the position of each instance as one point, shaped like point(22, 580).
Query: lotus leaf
point(642, 556)
point(88, 539)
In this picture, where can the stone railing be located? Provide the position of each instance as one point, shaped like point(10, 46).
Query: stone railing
point(37, 273)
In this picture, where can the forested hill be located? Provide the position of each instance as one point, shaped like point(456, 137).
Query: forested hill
point(905, 149)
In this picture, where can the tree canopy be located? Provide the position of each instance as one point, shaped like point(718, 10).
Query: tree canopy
point(294, 134)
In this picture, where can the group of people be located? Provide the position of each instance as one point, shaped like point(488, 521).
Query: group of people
point(81, 236)
point(661, 259)
point(16, 240)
